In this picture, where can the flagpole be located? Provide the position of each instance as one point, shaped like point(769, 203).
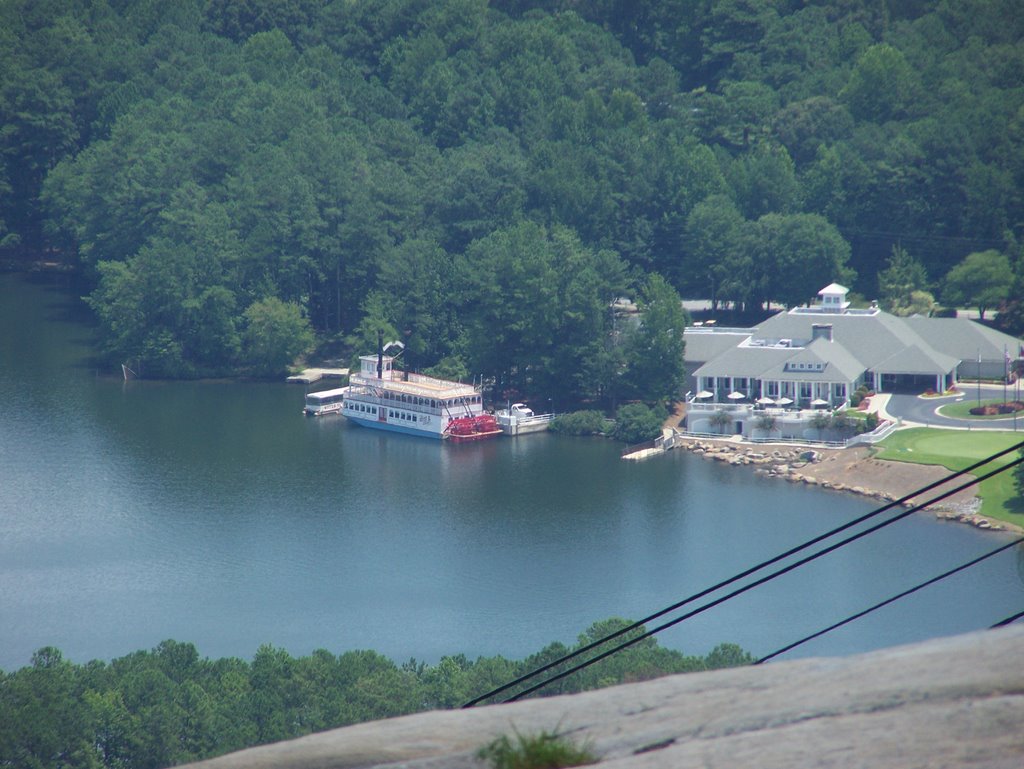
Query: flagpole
point(978, 385)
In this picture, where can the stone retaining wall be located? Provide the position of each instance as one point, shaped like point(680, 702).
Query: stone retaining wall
point(798, 466)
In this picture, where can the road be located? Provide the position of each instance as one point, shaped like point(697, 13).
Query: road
point(913, 408)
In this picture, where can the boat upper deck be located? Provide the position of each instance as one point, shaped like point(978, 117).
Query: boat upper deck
point(418, 385)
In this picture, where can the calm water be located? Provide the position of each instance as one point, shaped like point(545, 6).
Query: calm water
point(216, 513)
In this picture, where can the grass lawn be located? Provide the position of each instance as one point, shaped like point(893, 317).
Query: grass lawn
point(962, 410)
point(955, 450)
point(854, 414)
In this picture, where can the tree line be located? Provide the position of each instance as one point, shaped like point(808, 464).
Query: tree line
point(167, 706)
point(245, 181)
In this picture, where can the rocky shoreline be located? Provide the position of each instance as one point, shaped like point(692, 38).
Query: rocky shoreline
point(845, 470)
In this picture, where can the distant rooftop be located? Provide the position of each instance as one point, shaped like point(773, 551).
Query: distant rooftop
point(819, 310)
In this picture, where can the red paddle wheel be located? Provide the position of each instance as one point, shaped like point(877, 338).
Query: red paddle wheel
point(463, 429)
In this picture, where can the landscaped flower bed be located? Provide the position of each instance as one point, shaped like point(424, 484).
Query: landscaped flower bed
point(994, 409)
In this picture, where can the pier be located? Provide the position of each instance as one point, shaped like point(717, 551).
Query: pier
point(310, 375)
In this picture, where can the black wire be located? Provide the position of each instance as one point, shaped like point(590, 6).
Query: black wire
point(890, 600)
point(746, 573)
point(1008, 620)
point(762, 580)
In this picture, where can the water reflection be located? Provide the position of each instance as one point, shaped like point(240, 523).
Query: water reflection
point(216, 513)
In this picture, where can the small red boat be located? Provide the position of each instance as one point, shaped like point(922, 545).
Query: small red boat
point(465, 429)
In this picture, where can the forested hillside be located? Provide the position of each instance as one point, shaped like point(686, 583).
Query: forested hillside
point(168, 706)
point(482, 179)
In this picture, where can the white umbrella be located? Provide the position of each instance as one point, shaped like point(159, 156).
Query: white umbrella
point(703, 394)
point(765, 400)
point(784, 401)
point(735, 396)
point(819, 402)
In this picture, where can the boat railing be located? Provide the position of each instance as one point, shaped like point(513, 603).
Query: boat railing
point(507, 418)
point(451, 412)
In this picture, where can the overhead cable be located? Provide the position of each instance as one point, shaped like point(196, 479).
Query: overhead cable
point(1011, 619)
point(893, 599)
point(760, 581)
point(747, 572)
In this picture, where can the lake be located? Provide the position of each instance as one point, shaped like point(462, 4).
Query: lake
point(216, 513)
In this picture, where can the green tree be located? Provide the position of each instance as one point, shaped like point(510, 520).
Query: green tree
point(981, 280)
point(764, 181)
point(807, 125)
point(637, 423)
point(716, 259)
point(375, 326)
point(654, 349)
point(276, 333)
point(902, 276)
point(728, 655)
point(882, 86)
point(537, 309)
point(795, 256)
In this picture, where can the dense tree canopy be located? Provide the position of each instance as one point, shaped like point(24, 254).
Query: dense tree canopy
point(168, 706)
point(389, 154)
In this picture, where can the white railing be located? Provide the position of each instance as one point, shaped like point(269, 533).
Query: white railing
point(734, 407)
point(883, 431)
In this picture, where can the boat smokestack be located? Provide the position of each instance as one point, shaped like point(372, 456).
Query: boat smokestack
point(380, 354)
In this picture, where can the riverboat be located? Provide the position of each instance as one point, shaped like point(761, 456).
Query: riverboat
point(384, 398)
point(325, 402)
point(519, 419)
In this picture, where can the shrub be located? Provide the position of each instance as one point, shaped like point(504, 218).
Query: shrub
point(581, 423)
point(720, 420)
point(766, 423)
point(841, 423)
point(636, 423)
point(859, 395)
point(547, 750)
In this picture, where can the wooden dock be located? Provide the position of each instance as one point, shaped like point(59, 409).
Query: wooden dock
point(310, 375)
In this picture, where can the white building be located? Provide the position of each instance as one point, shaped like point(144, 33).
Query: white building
point(818, 356)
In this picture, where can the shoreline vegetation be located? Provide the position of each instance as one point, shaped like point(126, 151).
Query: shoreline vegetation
point(306, 174)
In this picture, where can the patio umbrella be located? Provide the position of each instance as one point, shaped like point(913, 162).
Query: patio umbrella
point(735, 396)
point(784, 401)
point(819, 402)
point(703, 394)
point(765, 400)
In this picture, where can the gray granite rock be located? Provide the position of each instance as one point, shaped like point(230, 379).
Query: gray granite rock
point(944, 704)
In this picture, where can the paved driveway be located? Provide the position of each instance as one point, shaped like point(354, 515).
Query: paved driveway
point(923, 410)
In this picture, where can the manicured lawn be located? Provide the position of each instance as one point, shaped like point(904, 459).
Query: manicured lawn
point(854, 414)
point(955, 450)
point(962, 410)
